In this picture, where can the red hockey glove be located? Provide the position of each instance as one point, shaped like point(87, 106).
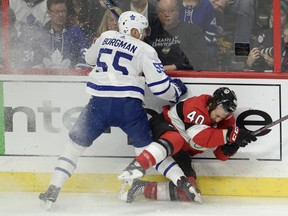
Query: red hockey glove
point(239, 136)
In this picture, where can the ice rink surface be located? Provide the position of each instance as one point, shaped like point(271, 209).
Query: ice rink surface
point(78, 204)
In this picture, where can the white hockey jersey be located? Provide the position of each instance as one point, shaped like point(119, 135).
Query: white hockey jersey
point(25, 14)
point(122, 66)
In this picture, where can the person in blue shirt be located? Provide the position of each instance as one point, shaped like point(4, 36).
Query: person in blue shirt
point(58, 44)
point(202, 14)
point(238, 18)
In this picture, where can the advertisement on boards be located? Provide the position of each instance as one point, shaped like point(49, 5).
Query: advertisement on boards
point(37, 116)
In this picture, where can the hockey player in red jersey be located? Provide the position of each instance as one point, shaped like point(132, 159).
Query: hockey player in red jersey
point(189, 128)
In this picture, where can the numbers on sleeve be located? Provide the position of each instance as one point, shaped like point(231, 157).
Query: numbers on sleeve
point(196, 118)
point(159, 67)
point(116, 58)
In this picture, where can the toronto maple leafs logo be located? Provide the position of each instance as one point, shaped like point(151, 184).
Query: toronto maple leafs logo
point(132, 17)
point(56, 61)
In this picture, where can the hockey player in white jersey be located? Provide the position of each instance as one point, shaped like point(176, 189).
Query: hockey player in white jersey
point(123, 64)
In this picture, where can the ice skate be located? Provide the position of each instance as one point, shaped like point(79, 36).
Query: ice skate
point(189, 189)
point(49, 197)
point(132, 171)
point(136, 189)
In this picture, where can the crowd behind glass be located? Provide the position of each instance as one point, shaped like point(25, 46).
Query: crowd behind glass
point(199, 35)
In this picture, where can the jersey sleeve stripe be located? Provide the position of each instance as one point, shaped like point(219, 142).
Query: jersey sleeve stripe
point(115, 88)
point(158, 82)
point(161, 92)
point(179, 110)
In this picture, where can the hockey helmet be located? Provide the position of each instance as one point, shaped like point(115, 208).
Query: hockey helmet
point(129, 20)
point(225, 97)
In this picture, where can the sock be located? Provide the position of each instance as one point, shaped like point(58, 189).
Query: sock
point(66, 164)
point(154, 153)
point(166, 191)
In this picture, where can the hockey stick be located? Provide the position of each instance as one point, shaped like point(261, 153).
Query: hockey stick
point(270, 125)
point(110, 5)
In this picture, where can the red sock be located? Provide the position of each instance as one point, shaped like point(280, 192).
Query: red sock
point(146, 160)
point(150, 191)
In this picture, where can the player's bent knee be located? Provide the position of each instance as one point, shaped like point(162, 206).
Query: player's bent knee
point(174, 139)
point(167, 145)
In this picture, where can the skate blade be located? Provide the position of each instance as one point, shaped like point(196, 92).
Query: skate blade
point(197, 197)
point(46, 205)
point(125, 186)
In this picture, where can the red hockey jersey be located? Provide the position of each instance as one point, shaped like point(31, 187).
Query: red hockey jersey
point(192, 119)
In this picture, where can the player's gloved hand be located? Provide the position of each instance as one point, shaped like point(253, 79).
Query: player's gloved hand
point(180, 88)
point(239, 136)
point(230, 149)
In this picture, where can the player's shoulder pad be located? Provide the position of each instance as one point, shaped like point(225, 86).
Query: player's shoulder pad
point(109, 33)
point(198, 104)
point(149, 50)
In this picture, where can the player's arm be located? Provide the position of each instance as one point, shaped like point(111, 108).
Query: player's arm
point(225, 123)
point(226, 151)
point(210, 137)
point(236, 138)
point(91, 54)
point(217, 138)
point(158, 81)
point(206, 136)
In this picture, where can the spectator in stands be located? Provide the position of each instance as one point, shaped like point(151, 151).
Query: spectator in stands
point(83, 14)
point(59, 43)
point(238, 18)
point(202, 13)
point(234, 22)
point(145, 7)
point(29, 13)
point(180, 46)
point(109, 22)
point(260, 57)
point(240, 15)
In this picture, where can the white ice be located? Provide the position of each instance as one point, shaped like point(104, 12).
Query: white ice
point(80, 204)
